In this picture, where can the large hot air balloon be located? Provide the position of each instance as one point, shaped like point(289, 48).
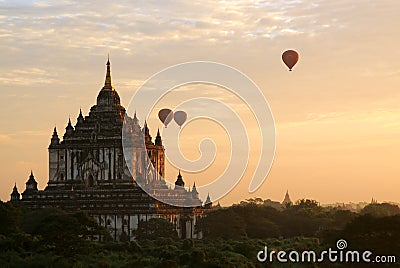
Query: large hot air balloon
point(290, 58)
point(165, 116)
point(180, 117)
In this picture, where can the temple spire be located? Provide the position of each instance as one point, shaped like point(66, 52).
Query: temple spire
point(179, 182)
point(146, 133)
point(107, 83)
point(208, 203)
point(287, 200)
point(31, 184)
point(158, 140)
point(54, 139)
point(69, 129)
point(15, 196)
point(80, 117)
point(195, 193)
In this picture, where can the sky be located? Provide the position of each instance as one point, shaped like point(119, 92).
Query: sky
point(337, 114)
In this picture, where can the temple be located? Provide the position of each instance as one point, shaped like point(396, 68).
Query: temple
point(287, 201)
point(88, 172)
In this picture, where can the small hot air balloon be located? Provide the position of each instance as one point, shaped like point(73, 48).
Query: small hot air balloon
point(290, 58)
point(165, 116)
point(180, 117)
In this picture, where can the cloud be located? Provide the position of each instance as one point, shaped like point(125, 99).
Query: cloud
point(5, 139)
point(27, 77)
point(33, 133)
point(18, 136)
point(54, 53)
point(125, 25)
point(387, 118)
point(127, 84)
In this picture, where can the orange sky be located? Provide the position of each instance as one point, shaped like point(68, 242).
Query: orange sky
point(337, 114)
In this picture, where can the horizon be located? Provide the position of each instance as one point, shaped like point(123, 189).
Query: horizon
point(336, 114)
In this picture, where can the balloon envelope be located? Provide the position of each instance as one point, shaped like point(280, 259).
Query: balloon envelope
point(165, 116)
point(290, 58)
point(180, 117)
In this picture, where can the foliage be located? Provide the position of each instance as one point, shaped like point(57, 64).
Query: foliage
point(232, 237)
point(155, 228)
point(10, 218)
point(381, 210)
point(254, 219)
point(222, 223)
point(63, 231)
point(379, 234)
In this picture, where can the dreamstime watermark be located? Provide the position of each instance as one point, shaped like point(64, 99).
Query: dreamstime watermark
point(332, 255)
point(156, 87)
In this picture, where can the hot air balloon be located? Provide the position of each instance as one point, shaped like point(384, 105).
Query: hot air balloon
point(165, 116)
point(290, 58)
point(180, 117)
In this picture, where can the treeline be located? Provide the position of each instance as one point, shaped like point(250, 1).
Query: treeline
point(376, 227)
point(232, 236)
point(45, 230)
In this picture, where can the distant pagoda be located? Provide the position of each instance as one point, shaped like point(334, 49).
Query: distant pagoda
point(287, 200)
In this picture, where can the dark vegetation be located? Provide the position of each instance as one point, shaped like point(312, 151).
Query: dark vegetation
point(232, 237)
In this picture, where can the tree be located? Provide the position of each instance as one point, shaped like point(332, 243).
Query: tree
point(306, 205)
point(223, 223)
point(155, 228)
point(10, 218)
point(259, 219)
point(66, 232)
point(377, 234)
point(381, 210)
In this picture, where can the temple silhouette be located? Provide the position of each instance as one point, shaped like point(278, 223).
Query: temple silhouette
point(88, 172)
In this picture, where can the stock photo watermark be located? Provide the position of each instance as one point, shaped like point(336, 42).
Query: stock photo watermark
point(338, 254)
point(235, 82)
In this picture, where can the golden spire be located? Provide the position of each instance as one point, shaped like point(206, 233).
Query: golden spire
point(107, 83)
